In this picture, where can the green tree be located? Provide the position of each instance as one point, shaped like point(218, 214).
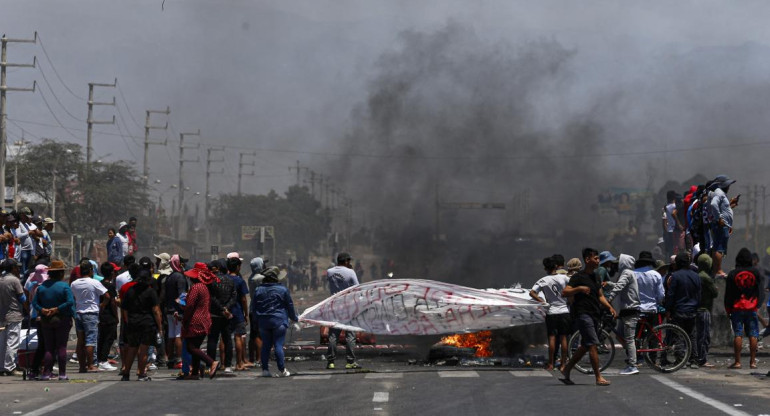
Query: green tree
point(298, 219)
point(85, 204)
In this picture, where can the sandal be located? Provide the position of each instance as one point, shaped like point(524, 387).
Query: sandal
point(603, 383)
point(753, 366)
point(734, 366)
point(567, 381)
point(214, 368)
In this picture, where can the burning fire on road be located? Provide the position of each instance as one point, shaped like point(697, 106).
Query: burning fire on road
point(480, 341)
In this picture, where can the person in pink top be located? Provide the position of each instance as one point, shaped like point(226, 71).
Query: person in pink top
point(196, 320)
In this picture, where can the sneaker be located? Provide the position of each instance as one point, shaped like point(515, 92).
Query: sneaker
point(105, 366)
point(630, 370)
point(14, 373)
point(266, 373)
point(152, 367)
point(352, 366)
point(285, 373)
point(330, 366)
point(63, 378)
point(228, 370)
point(144, 378)
point(178, 366)
point(693, 366)
point(45, 377)
point(125, 377)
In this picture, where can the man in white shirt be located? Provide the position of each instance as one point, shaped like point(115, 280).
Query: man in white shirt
point(557, 319)
point(87, 292)
point(340, 278)
point(124, 277)
point(24, 232)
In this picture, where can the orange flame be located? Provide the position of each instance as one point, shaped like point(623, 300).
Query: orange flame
point(481, 341)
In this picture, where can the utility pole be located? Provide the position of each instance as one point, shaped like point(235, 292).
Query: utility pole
point(298, 169)
point(181, 182)
point(209, 161)
point(241, 164)
point(147, 142)
point(19, 146)
point(90, 120)
point(3, 111)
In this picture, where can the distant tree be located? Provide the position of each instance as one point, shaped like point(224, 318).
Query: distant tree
point(85, 204)
point(299, 221)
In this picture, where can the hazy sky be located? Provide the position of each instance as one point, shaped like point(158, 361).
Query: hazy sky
point(284, 78)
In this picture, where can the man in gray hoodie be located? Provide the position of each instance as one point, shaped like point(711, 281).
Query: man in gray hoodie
point(627, 291)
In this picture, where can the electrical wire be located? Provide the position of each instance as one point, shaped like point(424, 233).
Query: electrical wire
point(40, 90)
point(50, 62)
point(40, 68)
point(125, 141)
point(128, 109)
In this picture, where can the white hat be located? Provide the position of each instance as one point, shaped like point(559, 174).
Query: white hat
point(234, 255)
point(122, 224)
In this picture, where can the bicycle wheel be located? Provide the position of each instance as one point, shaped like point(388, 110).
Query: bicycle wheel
point(606, 349)
point(666, 348)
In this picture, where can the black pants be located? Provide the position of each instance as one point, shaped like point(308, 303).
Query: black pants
point(194, 348)
point(220, 326)
point(108, 333)
point(687, 322)
point(37, 360)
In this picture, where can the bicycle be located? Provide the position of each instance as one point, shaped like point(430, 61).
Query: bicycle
point(665, 347)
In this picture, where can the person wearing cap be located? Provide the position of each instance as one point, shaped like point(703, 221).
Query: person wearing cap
point(175, 287)
point(722, 226)
point(12, 299)
point(573, 266)
point(196, 321)
point(123, 236)
point(55, 305)
point(608, 265)
point(36, 278)
point(162, 271)
point(48, 224)
point(341, 277)
point(257, 265)
point(273, 306)
point(682, 299)
point(108, 318)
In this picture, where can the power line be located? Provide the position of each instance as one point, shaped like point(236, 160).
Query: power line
point(128, 109)
point(50, 62)
point(125, 141)
point(40, 68)
point(54, 115)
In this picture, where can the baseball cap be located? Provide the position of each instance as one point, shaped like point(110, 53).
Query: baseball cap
point(606, 256)
point(49, 220)
point(25, 211)
point(234, 255)
point(343, 257)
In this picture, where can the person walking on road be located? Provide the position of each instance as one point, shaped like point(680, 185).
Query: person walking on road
point(741, 302)
point(341, 277)
point(196, 321)
point(586, 309)
point(273, 306)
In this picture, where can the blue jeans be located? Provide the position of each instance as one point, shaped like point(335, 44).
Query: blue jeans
point(270, 337)
point(89, 324)
point(24, 257)
point(745, 323)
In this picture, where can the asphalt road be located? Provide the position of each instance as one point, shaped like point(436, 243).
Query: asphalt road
point(394, 388)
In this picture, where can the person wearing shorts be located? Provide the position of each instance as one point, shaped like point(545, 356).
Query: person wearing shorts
point(558, 323)
point(87, 292)
point(586, 308)
point(742, 293)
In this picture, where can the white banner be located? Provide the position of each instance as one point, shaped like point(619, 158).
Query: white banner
point(423, 307)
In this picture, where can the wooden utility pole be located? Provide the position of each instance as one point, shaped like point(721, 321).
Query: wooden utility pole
point(4, 41)
point(90, 120)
